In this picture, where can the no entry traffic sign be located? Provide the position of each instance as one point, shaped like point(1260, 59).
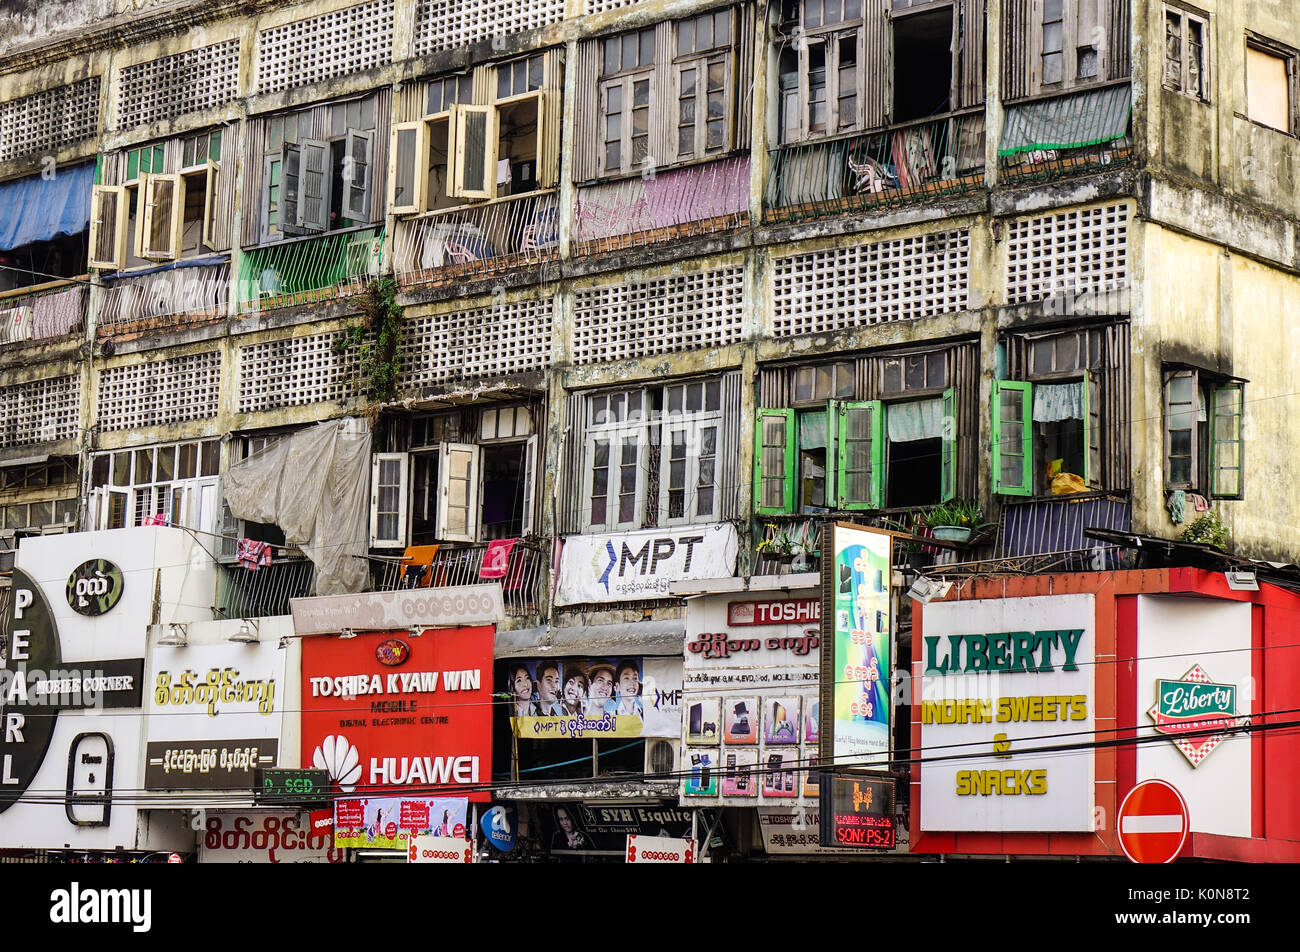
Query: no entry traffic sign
point(1153, 823)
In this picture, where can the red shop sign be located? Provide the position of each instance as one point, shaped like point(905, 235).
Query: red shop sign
point(382, 729)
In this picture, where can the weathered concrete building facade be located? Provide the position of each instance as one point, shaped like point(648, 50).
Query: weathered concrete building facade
point(668, 264)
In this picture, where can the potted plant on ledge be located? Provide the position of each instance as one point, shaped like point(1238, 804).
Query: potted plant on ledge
point(955, 520)
point(782, 546)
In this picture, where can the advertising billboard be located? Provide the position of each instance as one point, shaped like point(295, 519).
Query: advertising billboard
point(385, 711)
point(858, 629)
point(629, 566)
point(567, 698)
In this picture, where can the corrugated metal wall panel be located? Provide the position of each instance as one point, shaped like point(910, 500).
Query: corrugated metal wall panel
point(744, 99)
point(573, 440)
point(1115, 408)
point(731, 478)
point(411, 101)
point(966, 384)
point(552, 126)
point(586, 110)
point(876, 58)
point(485, 85)
point(1015, 48)
point(1047, 526)
point(251, 228)
point(1119, 39)
point(663, 99)
point(225, 214)
point(971, 81)
point(379, 154)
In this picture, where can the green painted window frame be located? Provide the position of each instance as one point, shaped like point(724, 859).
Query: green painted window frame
point(876, 429)
point(790, 459)
point(1025, 390)
point(1217, 440)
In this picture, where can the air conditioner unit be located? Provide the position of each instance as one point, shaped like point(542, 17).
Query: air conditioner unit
point(16, 324)
point(661, 758)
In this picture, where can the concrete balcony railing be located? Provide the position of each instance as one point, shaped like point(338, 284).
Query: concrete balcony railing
point(455, 564)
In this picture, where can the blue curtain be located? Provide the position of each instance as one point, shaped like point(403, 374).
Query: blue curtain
point(38, 209)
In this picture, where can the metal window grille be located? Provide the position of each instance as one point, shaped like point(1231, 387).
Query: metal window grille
point(49, 120)
point(894, 280)
point(40, 411)
point(159, 391)
point(668, 314)
point(333, 44)
point(445, 24)
point(196, 292)
point(294, 372)
point(501, 339)
point(1083, 248)
point(181, 83)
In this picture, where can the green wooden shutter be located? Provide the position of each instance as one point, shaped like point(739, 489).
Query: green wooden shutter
point(774, 462)
point(1013, 438)
point(948, 460)
point(860, 445)
point(1227, 405)
point(832, 452)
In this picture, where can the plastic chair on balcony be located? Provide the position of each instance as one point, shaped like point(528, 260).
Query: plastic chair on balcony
point(543, 232)
point(416, 567)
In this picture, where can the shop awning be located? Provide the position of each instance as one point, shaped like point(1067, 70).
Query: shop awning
point(36, 208)
point(1068, 122)
point(639, 638)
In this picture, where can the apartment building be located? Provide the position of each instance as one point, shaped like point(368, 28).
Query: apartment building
point(670, 280)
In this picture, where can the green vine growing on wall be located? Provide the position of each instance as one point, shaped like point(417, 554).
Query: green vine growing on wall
point(376, 340)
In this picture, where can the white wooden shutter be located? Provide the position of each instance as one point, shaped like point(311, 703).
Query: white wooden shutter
point(210, 193)
point(458, 490)
point(290, 188)
point(108, 218)
point(164, 216)
point(526, 526)
point(475, 172)
point(389, 492)
point(407, 187)
point(356, 176)
point(314, 186)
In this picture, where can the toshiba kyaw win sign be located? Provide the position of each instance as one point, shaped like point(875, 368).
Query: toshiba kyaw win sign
point(1001, 679)
point(382, 712)
point(627, 566)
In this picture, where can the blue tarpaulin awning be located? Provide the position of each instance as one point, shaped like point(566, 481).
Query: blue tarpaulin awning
point(38, 208)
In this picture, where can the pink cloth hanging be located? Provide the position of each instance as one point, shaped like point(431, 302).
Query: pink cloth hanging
point(496, 560)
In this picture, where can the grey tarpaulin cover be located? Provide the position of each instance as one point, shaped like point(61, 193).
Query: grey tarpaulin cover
point(315, 485)
point(1067, 122)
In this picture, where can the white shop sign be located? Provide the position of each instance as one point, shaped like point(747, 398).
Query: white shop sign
point(629, 566)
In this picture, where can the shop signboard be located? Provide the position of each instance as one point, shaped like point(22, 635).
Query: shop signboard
point(239, 836)
point(1001, 679)
point(576, 827)
point(858, 631)
point(631, 566)
point(567, 698)
point(425, 848)
point(424, 721)
point(379, 823)
point(751, 707)
point(215, 715)
point(407, 608)
point(858, 812)
point(659, 850)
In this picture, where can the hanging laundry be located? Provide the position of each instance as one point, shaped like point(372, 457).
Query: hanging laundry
point(1199, 502)
point(1177, 505)
point(157, 519)
point(496, 560)
point(252, 554)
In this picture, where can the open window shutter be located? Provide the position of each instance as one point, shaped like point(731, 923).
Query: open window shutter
point(1091, 430)
point(356, 176)
point(540, 155)
point(164, 214)
point(1225, 441)
point(137, 239)
point(832, 442)
point(1181, 451)
point(406, 192)
point(526, 526)
point(948, 459)
point(210, 194)
point(108, 204)
point(388, 499)
point(1013, 438)
point(860, 443)
point(774, 462)
point(458, 483)
point(475, 172)
point(290, 182)
point(314, 190)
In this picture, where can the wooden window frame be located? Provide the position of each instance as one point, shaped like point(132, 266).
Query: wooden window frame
point(1070, 46)
point(170, 249)
point(121, 201)
point(1210, 387)
point(1182, 84)
point(626, 83)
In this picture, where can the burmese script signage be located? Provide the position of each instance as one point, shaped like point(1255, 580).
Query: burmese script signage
point(1001, 679)
point(204, 765)
point(403, 609)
